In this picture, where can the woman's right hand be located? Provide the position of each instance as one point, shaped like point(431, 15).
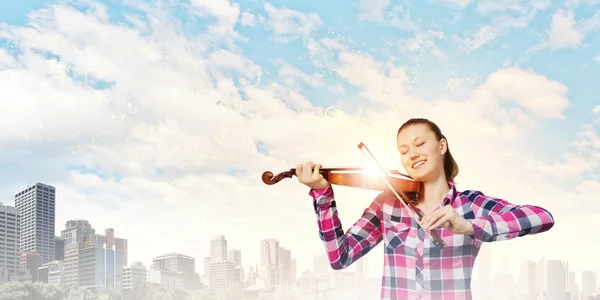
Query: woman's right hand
point(308, 174)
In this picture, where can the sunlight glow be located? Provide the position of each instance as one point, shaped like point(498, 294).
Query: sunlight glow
point(372, 170)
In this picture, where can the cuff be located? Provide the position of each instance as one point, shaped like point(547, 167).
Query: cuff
point(326, 191)
point(483, 229)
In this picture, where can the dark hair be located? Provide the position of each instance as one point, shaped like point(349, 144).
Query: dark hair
point(450, 165)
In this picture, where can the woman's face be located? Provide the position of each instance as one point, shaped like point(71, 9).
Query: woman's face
point(422, 155)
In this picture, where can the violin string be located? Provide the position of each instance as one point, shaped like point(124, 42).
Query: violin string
point(412, 214)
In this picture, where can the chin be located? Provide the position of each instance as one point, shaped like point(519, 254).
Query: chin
point(420, 175)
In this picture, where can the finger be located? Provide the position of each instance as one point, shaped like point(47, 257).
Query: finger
point(307, 171)
point(299, 172)
point(432, 217)
point(316, 172)
point(439, 222)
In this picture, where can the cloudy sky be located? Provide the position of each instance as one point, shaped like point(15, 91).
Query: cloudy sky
point(158, 119)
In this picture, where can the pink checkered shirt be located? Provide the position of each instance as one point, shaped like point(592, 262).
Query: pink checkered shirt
point(415, 268)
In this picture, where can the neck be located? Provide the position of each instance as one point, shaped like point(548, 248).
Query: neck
point(434, 191)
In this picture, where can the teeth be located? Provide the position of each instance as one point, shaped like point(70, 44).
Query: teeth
point(418, 164)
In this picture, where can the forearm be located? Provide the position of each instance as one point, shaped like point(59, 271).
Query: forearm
point(343, 249)
point(515, 222)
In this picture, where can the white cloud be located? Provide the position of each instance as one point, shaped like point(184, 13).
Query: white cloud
point(583, 156)
point(457, 3)
point(562, 32)
point(224, 11)
point(423, 42)
point(288, 24)
point(539, 95)
point(565, 32)
point(248, 19)
point(477, 38)
point(196, 122)
point(379, 11)
point(292, 76)
point(505, 15)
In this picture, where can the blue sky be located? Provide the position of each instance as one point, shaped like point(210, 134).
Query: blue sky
point(421, 52)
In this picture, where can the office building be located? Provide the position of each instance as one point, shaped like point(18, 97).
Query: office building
point(9, 241)
point(134, 275)
point(36, 206)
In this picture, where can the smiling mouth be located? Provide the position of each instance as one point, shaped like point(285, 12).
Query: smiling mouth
point(418, 164)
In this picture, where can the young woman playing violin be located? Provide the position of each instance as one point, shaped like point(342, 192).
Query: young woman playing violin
point(414, 267)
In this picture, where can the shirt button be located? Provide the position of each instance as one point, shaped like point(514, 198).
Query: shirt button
point(420, 276)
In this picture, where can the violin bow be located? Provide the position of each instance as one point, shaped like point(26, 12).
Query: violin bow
point(437, 241)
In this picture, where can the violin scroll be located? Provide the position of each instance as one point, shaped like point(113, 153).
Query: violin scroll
point(269, 178)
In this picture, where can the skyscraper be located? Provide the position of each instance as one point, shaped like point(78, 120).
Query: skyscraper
point(235, 256)
point(109, 234)
point(269, 260)
point(218, 248)
point(36, 207)
point(9, 241)
point(589, 284)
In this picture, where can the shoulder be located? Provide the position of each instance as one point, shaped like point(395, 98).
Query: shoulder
point(477, 198)
point(470, 195)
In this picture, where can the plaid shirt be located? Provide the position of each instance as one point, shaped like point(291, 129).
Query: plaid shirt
point(415, 268)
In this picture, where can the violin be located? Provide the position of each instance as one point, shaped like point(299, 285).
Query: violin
point(391, 181)
point(354, 177)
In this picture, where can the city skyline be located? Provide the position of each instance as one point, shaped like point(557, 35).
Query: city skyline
point(529, 278)
point(158, 119)
point(506, 263)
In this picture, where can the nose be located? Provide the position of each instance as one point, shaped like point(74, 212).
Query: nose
point(412, 153)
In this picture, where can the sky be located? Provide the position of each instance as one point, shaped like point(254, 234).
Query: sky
point(157, 118)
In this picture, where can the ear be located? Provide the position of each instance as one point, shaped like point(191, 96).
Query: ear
point(443, 146)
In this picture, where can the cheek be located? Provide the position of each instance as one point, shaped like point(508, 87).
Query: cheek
point(405, 161)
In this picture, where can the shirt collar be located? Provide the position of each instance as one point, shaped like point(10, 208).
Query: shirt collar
point(451, 195)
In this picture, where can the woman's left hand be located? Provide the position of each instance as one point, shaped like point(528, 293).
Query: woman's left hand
point(448, 218)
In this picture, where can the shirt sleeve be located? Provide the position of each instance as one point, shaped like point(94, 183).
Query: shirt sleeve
point(498, 220)
point(343, 249)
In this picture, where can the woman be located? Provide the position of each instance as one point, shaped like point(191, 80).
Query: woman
point(415, 268)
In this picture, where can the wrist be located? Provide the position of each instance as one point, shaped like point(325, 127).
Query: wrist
point(320, 184)
point(468, 228)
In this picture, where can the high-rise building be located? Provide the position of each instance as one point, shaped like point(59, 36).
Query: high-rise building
point(174, 271)
point(59, 248)
point(9, 241)
point(556, 280)
point(36, 205)
point(218, 248)
point(77, 235)
point(541, 278)
point(223, 275)
point(134, 275)
point(285, 265)
point(235, 256)
point(52, 272)
point(109, 234)
point(207, 261)
point(100, 269)
point(528, 282)
point(293, 271)
point(30, 263)
point(121, 245)
point(269, 261)
point(77, 231)
point(589, 284)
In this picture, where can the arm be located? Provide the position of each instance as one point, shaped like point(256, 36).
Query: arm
point(498, 220)
point(343, 249)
